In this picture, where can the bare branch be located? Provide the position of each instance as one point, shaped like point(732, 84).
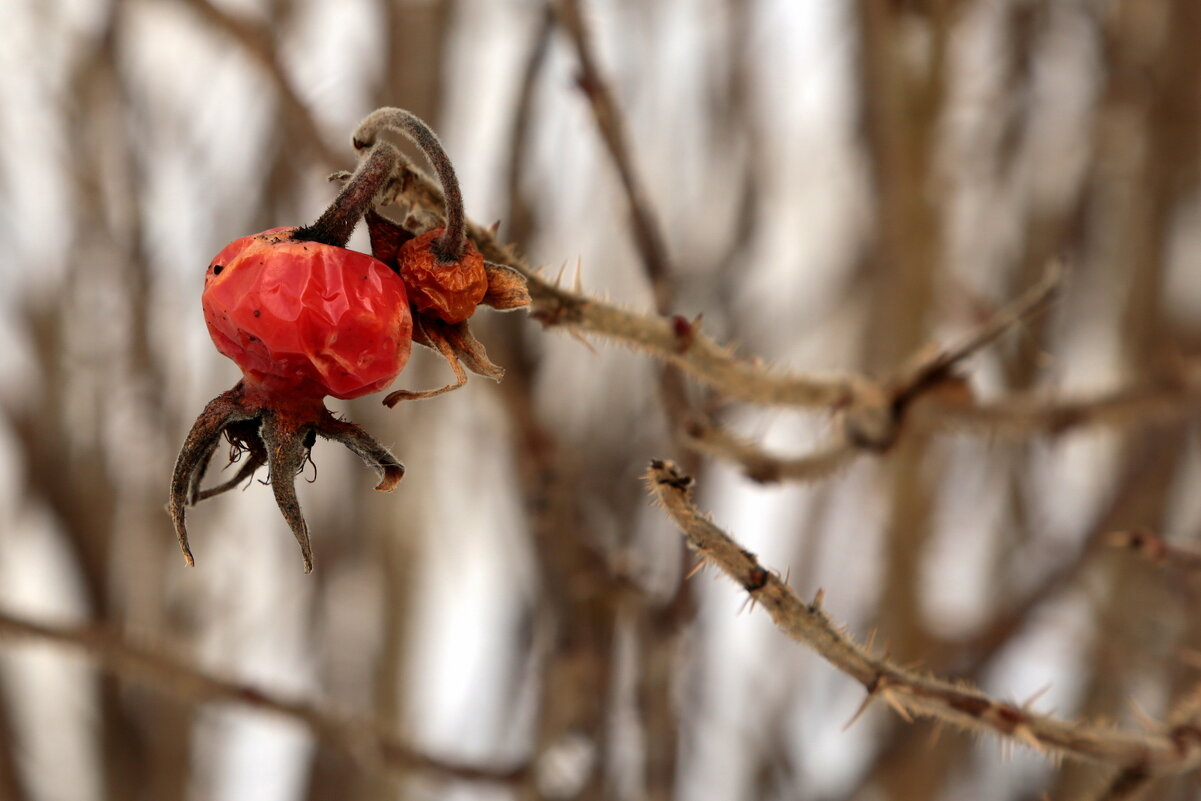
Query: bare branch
point(1154, 548)
point(261, 45)
point(681, 342)
point(766, 468)
point(1034, 414)
point(648, 236)
point(365, 741)
point(910, 693)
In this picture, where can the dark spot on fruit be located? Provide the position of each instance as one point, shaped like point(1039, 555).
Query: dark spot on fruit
point(257, 312)
point(217, 268)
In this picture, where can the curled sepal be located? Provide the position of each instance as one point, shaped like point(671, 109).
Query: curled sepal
point(221, 412)
point(469, 350)
point(267, 430)
point(459, 347)
point(425, 333)
point(361, 444)
point(243, 437)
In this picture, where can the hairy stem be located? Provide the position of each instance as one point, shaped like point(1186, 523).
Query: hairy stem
point(335, 226)
point(450, 246)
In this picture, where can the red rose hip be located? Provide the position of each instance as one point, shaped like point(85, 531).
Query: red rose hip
point(306, 318)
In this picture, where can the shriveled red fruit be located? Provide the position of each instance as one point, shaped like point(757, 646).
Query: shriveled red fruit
point(303, 318)
point(449, 291)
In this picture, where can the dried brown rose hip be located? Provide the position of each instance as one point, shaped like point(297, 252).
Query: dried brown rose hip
point(448, 291)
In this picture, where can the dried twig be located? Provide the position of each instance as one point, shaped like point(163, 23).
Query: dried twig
point(1154, 548)
point(1177, 397)
point(758, 465)
point(364, 740)
point(906, 691)
point(610, 123)
point(260, 44)
point(1131, 782)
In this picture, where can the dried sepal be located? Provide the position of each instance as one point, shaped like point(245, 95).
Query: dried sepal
point(459, 347)
point(287, 444)
point(202, 440)
point(507, 288)
point(386, 237)
point(280, 436)
point(469, 350)
point(432, 339)
point(362, 444)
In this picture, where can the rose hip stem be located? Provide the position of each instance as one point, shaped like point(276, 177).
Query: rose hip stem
point(337, 223)
point(335, 226)
point(449, 247)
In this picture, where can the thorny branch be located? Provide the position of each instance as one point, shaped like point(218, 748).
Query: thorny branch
point(909, 693)
point(363, 740)
point(682, 342)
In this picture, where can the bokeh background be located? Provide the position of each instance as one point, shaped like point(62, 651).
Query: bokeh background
point(837, 183)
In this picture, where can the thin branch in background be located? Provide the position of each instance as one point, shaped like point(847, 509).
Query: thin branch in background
point(1128, 785)
point(610, 122)
point(260, 44)
point(911, 693)
point(922, 371)
point(520, 218)
point(1154, 548)
point(1132, 782)
point(709, 438)
point(364, 741)
point(1154, 401)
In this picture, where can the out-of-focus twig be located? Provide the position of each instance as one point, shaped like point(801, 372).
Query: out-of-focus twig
point(1126, 786)
point(1151, 546)
point(766, 468)
point(1132, 782)
point(610, 123)
point(362, 740)
point(520, 221)
point(910, 693)
point(1177, 397)
point(261, 45)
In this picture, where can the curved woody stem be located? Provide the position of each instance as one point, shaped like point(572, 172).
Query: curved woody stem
point(335, 226)
point(450, 246)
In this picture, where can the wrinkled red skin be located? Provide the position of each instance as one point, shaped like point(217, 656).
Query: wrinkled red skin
point(304, 320)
